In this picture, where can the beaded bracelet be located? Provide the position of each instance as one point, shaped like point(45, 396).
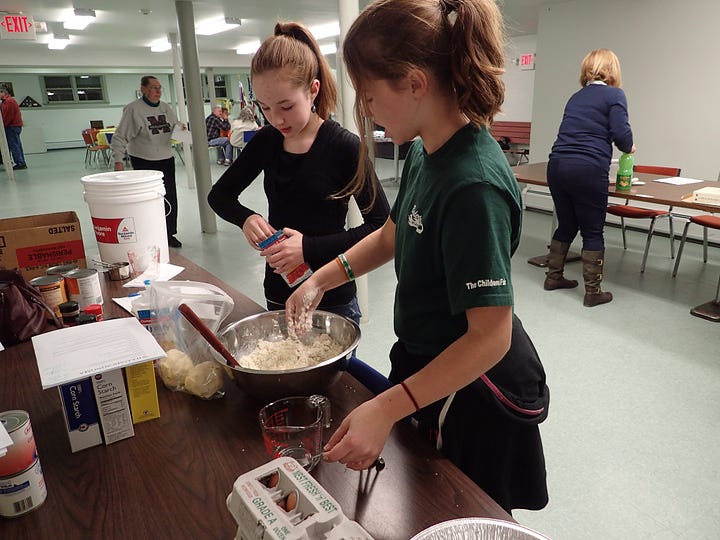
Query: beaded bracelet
point(412, 398)
point(346, 266)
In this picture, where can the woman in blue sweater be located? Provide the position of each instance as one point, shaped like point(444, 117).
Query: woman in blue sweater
point(595, 117)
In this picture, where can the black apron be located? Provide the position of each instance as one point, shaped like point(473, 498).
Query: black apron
point(490, 430)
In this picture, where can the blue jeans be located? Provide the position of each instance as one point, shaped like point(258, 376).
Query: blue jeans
point(14, 145)
point(224, 143)
point(351, 310)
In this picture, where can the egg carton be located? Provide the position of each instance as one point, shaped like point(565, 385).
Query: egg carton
point(281, 501)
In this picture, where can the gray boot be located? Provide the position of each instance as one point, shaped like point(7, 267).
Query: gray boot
point(556, 263)
point(593, 262)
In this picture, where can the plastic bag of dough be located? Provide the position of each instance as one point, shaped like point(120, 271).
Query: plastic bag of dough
point(205, 380)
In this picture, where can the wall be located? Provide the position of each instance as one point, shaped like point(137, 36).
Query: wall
point(62, 125)
point(519, 84)
point(666, 49)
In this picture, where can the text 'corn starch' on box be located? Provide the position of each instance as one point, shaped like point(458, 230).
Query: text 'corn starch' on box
point(113, 406)
point(81, 414)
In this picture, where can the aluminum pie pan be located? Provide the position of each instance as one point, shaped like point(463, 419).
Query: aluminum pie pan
point(478, 529)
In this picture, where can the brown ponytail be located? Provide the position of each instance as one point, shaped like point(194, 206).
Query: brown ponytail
point(460, 42)
point(294, 49)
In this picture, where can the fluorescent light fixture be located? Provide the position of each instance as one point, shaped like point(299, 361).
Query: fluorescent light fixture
point(249, 47)
point(79, 19)
point(84, 76)
point(58, 42)
point(217, 25)
point(328, 48)
point(81, 91)
point(160, 45)
point(322, 31)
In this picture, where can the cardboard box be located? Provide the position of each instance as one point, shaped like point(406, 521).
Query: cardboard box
point(35, 243)
point(81, 414)
point(142, 392)
point(113, 405)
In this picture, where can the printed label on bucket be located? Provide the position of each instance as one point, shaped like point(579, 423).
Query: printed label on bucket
point(115, 230)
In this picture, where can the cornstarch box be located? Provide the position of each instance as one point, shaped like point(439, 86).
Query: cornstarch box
point(113, 406)
point(142, 392)
point(81, 414)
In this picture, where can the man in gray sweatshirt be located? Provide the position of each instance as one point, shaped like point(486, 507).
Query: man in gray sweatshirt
point(144, 132)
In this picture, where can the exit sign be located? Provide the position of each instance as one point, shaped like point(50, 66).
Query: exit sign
point(17, 26)
point(527, 61)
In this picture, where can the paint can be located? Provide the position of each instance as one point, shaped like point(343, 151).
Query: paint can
point(127, 209)
point(22, 485)
point(83, 286)
point(52, 290)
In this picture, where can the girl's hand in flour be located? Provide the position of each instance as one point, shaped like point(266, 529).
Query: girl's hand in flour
point(300, 305)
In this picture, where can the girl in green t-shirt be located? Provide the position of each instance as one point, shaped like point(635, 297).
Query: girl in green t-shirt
point(463, 365)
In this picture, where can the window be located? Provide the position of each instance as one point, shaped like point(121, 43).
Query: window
point(73, 88)
point(220, 86)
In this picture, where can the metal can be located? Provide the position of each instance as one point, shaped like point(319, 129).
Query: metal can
point(52, 289)
point(23, 492)
point(22, 485)
point(60, 269)
point(83, 285)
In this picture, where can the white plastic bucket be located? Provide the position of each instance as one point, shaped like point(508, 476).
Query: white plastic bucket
point(128, 213)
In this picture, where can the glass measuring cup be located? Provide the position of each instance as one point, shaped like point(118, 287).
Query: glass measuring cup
point(294, 427)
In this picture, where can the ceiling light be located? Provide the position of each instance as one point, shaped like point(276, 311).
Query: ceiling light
point(322, 31)
point(328, 48)
point(249, 47)
point(160, 45)
point(80, 18)
point(217, 25)
point(59, 42)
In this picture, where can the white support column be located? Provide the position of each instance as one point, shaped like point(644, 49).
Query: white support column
point(196, 112)
point(181, 108)
point(348, 11)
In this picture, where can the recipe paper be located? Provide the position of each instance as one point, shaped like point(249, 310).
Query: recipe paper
point(677, 181)
point(78, 352)
point(5, 440)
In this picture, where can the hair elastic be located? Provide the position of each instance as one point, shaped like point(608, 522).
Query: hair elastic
point(412, 398)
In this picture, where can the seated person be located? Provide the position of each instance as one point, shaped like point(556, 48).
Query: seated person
point(216, 122)
point(244, 122)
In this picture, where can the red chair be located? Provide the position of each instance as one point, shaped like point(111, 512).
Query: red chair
point(627, 211)
point(705, 221)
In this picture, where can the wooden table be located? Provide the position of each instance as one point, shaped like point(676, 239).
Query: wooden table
point(172, 478)
point(651, 192)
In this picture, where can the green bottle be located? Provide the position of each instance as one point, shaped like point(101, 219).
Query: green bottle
point(625, 173)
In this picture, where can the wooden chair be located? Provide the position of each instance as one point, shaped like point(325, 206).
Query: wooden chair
point(627, 211)
point(705, 221)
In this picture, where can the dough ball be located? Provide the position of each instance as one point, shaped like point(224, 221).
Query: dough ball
point(205, 379)
point(174, 368)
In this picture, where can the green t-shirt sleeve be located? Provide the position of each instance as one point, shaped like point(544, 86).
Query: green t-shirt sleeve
point(476, 248)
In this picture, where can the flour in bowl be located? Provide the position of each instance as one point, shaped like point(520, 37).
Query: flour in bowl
point(291, 353)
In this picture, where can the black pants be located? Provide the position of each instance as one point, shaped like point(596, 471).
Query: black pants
point(167, 167)
point(580, 194)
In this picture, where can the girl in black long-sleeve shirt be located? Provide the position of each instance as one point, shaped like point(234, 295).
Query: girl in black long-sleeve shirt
point(308, 163)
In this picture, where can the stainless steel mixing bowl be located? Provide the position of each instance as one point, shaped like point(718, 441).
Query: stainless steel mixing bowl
point(241, 338)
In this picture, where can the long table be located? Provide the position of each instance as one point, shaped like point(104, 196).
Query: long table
point(172, 478)
point(650, 192)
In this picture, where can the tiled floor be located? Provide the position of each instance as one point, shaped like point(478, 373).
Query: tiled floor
point(633, 437)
